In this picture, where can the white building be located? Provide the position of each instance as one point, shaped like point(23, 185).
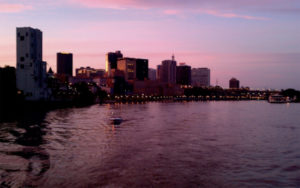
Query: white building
point(31, 69)
point(201, 77)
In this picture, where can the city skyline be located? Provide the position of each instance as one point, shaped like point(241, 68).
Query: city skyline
point(254, 41)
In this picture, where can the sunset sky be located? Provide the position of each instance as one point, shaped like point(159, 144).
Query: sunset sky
point(256, 41)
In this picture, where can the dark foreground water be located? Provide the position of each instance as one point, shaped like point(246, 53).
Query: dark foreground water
point(195, 144)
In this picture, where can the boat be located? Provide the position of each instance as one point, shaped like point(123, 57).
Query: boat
point(276, 98)
point(116, 121)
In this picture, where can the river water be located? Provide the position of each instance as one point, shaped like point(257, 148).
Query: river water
point(193, 144)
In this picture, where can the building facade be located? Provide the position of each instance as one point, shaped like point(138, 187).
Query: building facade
point(134, 69)
point(183, 74)
point(201, 77)
point(111, 61)
point(158, 72)
point(142, 69)
point(234, 83)
point(31, 73)
point(151, 74)
point(88, 72)
point(65, 64)
point(168, 71)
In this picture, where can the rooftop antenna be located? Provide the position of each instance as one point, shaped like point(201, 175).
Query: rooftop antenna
point(173, 57)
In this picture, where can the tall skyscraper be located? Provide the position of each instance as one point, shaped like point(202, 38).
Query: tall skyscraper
point(64, 64)
point(168, 71)
point(151, 74)
point(158, 72)
point(183, 74)
point(201, 77)
point(234, 83)
point(142, 69)
point(134, 69)
point(111, 61)
point(31, 69)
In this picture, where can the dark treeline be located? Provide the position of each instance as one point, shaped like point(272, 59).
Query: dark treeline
point(219, 93)
point(12, 103)
point(8, 90)
point(292, 93)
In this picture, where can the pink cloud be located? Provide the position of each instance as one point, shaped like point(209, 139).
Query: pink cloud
point(230, 15)
point(117, 4)
point(13, 8)
point(171, 12)
point(173, 8)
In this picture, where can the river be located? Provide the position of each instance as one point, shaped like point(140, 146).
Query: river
point(188, 144)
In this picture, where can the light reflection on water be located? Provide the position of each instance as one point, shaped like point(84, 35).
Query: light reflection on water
point(211, 144)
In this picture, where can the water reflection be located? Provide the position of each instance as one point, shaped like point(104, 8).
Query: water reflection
point(203, 144)
point(23, 159)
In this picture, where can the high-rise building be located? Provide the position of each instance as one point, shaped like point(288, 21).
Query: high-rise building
point(134, 69)
point(183, 74)
point(64, 64)
point(151, 74)
point(142, 69)
point(31, 69)
point(168, 71)
point(234, 83)
point(158, 72)
point(201, 77)
point(111, 61)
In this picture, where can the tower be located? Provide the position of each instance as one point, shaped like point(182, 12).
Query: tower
point(65, 64)
point(168, 71)
point(111, 61)
point(31, 69)
point(234, 83)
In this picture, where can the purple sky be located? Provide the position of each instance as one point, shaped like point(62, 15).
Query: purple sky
point(257, 41)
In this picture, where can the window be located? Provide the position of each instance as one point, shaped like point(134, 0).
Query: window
point(22, 38)
point(26, 34)
point(22, 58)
point(26, 55)
point(30, 64)
point(18, 34)
point(22, 66)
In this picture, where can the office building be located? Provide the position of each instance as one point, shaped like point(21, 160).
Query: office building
point(31, 69)
point(234, 83)
point(158, 72)
point(65, 64)
point(183, 74)
point(168, 71)
point(142, 69)
point(151, 74)
point(134, 69)
point(111, 61)
point(201, 77)
point(88, 72)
